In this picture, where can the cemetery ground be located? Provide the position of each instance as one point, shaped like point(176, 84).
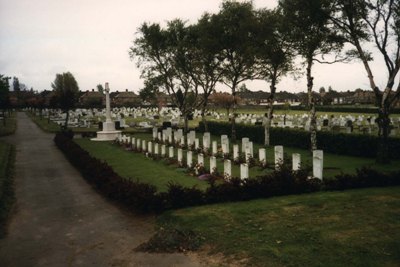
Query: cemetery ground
point(350, 228)
point(354, 227)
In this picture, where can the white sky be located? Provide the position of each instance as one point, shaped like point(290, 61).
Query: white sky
point(91, 39)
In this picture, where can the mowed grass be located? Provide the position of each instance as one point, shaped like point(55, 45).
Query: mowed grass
point(11, 125)
point(137, 166)
point(351, 228)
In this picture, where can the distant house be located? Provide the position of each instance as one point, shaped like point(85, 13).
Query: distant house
point(92, 99)
point(364, 97)
point(127, 98)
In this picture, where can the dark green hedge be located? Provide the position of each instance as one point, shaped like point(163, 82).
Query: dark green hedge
point(372, 110)
point(7, 193)
point(342, 144)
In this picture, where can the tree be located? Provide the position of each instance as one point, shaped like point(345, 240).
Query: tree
point(149, 92)
point(274, 56)
point(67, 92)
point(100, 88)
point(204, 60)
point(362, 22)
point(238, 37)
point(313, 38)
point(4, 95)
point(16, 85)
point(161, 55)
point(224, 100)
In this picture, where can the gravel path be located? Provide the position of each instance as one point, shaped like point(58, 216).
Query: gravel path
point(61, 221)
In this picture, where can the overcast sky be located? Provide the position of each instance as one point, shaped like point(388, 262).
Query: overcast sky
point(91, 39)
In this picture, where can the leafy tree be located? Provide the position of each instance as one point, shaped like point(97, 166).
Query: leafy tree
point(274, 55)
point(4, 95)
point(203, 58)
point(365, 22)
point(313, 38)
point(100, 88)
point(16, 85)
point(225, 101)
point(238, 37)
point(149, 92)
point(161, 55)
point(67, 92)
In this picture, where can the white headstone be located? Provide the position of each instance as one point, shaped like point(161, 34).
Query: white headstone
point(138, 143)
point(227, 168)
point(200, 159)
point(278, 155)
point(235, 152)
point(155, 132)
point(196, 143)
point(159, 136)
point(171, 151)
point(144, 145)
point(244, 171)
point(156, 149)
point(245, 141)
point(150, 147)
point(296, 161)
point(206, 140)
point(163, 150)
point(214, 148)
point(262, 156)
point(180, 155)
point(213, 164)
point(189, 158)
point(318, 164)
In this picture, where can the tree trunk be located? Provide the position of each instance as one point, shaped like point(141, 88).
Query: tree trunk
point(267, 125)
point(311, 103)
point(384, 127)
point(233, 123)
point(186, 123)
point(203, 118)
point(66, 121)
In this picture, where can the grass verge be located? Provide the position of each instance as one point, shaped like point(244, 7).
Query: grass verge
point(7, 197)
point(351, 228)
point(132, 165)
point(11, 125)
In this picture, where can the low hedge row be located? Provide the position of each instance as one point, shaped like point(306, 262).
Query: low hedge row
point(7, 193)
point(143, 197)
point(338, 143)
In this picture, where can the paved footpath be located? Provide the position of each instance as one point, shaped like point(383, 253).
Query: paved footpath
point(61, 221)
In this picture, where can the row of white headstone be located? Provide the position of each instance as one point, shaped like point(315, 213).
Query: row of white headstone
point(247, 147)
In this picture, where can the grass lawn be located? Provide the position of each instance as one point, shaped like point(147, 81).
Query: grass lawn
point(11, 125)
point(351, 228)
point(7, 158)
point(136, 166)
